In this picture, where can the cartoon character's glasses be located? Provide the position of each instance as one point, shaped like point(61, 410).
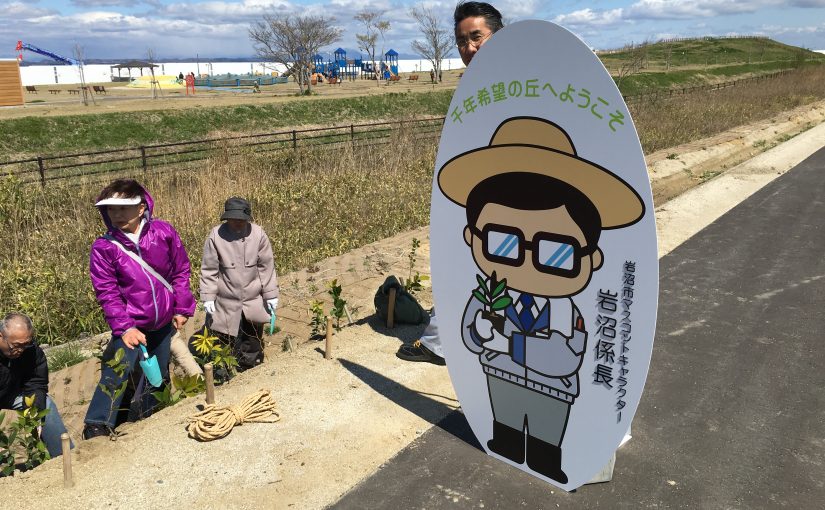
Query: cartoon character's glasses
point(552, 253)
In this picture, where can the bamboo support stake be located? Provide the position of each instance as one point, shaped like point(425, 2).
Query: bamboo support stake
point(66, 446)
point(328, 346)
point(210, 383)
point(349, 315)
point(391, 309)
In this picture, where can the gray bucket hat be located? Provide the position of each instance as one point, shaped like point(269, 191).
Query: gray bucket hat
point(237, 208)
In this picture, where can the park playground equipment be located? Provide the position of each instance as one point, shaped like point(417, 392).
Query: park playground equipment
point(11, 86)
point(86, 95)
point(29, 47)
point(342, 68)
point(165, 82)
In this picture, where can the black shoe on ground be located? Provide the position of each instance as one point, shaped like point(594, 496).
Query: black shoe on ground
point(417, 352)
point(95, 429)
point(545, 458)
point(507, 442)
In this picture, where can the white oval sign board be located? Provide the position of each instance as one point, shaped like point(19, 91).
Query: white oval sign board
point(543, 254)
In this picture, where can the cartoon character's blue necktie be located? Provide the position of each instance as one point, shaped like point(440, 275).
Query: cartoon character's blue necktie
point(525, 316)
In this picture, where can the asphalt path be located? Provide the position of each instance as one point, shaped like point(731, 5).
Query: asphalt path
point(733, 414)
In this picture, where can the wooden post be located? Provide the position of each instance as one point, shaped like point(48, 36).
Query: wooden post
point(143, 158)
point(210, 383)
point(328, 346)
point(42, 170)
point(66, 446)
point(391, 309)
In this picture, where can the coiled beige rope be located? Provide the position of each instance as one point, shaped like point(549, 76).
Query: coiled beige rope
point(216, 422)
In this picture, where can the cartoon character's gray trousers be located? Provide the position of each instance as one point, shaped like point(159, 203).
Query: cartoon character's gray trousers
point(546, 416)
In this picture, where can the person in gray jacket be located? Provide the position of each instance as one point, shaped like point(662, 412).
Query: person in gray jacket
point(238, 284)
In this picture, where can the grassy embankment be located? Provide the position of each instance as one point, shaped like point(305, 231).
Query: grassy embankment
point(648, 67)
point(314, 206)
point(80, 133)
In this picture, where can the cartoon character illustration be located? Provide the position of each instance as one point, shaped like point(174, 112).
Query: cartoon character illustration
point(535, 212)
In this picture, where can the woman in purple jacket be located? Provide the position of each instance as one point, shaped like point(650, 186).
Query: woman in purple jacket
point(140, 273)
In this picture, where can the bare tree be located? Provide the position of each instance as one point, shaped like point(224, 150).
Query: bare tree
point(79, 56)
point(376, 26)
point(438, 39)
point(150, 57)
point(633, 62)
point(292, 41)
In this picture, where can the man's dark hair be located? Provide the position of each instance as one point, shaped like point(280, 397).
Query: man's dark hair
point(126, 188)
point(535, 192)
point(478, 10)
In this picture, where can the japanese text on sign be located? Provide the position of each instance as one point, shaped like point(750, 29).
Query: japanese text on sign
point(580, 98)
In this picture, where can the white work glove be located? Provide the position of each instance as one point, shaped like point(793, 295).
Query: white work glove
point(272, 304)
point(209, 306)
point(484, 328)
point(492, 339)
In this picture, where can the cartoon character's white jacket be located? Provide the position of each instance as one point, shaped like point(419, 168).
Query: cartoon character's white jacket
point(541, 345)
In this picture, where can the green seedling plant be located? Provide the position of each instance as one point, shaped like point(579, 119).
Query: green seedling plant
point(338, 303)
point(181, 388)
point(211, 351)
point(491, 294)
point(413, 282)
point(29, 420)
point(6, 454)
point(319, 318)
point(118, 365)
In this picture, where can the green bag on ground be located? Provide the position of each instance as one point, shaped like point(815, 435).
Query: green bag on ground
point(407, 309)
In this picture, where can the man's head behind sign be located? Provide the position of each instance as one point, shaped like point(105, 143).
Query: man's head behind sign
point(475, 22)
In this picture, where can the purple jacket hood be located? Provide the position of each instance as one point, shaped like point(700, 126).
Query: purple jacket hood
point(129, 295)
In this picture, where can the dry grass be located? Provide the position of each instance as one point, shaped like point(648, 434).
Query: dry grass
point(313, 204)
point(666, 123)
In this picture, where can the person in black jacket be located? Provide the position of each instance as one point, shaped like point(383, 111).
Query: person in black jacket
point(24, 372)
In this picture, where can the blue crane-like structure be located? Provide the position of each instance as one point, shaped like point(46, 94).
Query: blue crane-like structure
point(25, 46)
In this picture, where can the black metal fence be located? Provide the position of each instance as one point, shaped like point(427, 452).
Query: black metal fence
point(665, 93)
point(145, 158)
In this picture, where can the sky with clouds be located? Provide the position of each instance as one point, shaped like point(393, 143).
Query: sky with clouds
point(119, 29)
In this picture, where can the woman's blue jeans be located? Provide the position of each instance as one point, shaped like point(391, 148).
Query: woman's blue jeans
point(103, 410)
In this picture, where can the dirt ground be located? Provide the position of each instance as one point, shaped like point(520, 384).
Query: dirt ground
point(342, 418)
point(120, 98)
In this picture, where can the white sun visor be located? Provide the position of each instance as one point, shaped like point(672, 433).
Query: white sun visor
point(116, 200)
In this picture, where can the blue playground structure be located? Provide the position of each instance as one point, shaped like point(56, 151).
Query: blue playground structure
point(342, 68)
point(391, 60)
point(24, 46)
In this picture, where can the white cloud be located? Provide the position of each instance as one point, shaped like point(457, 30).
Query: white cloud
point(105, 3)
point(513, 9)
point(673, 10)
point(808, 3)
point(782, 30)
point(687, 9)
point(20, 10)
point(589, 17)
